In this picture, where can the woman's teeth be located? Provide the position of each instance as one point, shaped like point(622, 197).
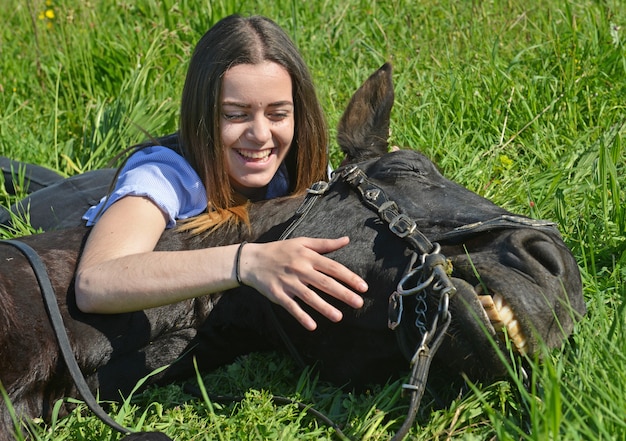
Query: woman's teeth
point(255, 154)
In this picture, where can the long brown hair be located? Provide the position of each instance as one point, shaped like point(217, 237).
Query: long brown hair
point(232, 41)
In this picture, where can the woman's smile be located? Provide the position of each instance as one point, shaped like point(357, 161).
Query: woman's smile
point(255, 155)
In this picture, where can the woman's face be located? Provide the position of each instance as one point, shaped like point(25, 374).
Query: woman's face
point(257, 124)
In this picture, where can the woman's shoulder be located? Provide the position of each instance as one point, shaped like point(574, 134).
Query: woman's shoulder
point(165, 148)
point(161, 163)
point(163, 176)
point(156, 153)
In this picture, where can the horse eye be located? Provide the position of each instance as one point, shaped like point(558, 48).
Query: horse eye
point(397, 169)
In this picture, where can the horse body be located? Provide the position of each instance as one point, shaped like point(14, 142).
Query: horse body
point(523, 261)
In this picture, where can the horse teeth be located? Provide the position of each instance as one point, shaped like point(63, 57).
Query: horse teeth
point(486, 302)
point(499, 326)
point(502, 317)
point(513, 328)
point(520, 345)
point(506, 314)
point(498, 300)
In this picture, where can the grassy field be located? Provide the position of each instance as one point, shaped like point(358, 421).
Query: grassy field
point(521, 101)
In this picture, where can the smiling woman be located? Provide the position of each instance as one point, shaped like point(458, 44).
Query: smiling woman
point(519, 101)
point(245, 134)
point(258, 125)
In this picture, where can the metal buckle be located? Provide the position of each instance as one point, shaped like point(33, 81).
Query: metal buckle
point(319, 187)
point(402, 225)
point(353, 175)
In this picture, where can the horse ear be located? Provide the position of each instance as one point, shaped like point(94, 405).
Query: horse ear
point(364, 126)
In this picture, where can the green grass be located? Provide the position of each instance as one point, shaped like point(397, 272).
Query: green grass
point(521, 101)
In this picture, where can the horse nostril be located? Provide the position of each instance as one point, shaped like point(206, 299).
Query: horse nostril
point(546, 254)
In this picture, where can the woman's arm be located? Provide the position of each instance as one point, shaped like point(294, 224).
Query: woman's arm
point(119, 270)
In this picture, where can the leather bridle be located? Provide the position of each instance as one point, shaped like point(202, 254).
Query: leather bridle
point(426, 275)
point(433, 277)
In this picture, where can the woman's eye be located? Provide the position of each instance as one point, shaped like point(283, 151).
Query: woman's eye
point(279, 115)
point(234, 116)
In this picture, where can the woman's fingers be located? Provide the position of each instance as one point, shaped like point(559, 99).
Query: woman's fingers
point(327, 276)
point(325, 266)
point(299, 268)
point(312, 299)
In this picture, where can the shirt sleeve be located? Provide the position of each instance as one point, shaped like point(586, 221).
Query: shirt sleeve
point(164, 177)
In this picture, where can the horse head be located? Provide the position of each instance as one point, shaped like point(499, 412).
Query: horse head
point(509, 274)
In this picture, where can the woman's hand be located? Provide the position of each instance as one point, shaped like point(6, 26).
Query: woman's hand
point(286, 270)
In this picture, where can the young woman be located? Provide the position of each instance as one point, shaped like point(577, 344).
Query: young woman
point(251, 128)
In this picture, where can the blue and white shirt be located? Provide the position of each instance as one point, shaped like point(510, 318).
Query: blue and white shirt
point(168, 180)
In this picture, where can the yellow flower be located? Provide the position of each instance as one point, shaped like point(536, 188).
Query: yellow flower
point(48, 2)
point(506, 161)
point(41, 16)
point(50, 14)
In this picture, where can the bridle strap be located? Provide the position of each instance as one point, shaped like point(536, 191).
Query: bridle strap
point(313, 193)
point(502, 221)
point(375, 198)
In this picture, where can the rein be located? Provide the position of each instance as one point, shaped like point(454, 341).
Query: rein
point(56, 320)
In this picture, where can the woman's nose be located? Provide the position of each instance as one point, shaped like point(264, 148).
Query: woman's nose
point(259, 130)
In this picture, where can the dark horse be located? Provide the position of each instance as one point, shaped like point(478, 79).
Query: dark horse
point(521, 263)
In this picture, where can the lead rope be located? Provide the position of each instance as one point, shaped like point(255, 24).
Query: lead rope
point(56, 320)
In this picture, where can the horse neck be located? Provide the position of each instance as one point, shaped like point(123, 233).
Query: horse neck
point(269, 219)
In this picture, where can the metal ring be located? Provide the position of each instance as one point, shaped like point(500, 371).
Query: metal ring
point(407, 292)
